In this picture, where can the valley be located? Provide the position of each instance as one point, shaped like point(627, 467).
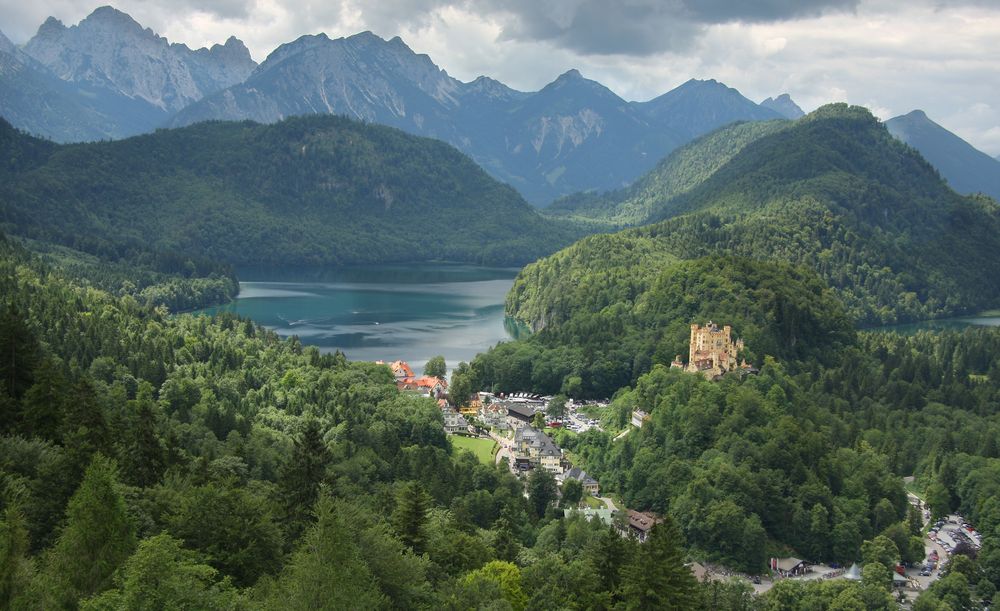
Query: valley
point(336, 329)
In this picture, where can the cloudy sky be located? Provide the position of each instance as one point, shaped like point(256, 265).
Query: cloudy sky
point(942, 56)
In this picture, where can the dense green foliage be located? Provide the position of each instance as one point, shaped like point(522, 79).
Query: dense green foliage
point(802, 458)
point(311, 190)
point(151, 278)
point(625, 324)
point(833, 191)
point(151, 461)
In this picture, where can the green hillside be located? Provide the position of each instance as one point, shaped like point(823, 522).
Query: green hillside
point(679, 172)
point(314, 190)
point(833, 192)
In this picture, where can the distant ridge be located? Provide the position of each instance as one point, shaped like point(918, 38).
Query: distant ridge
point(833, 191)
point(574, 134)
point(319, 190)
point(966, 169)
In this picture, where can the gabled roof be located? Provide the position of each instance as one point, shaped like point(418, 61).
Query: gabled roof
point(401, 369)
point(579, 474)
point(642, 521)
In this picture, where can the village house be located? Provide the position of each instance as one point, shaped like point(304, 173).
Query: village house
point(453, 421)
point(401, 369)
point(427, 386)
point(590, 484)
point(789, 567)
point(639, 525)
point(538, 448)
point(472, 406)
point(494, 415)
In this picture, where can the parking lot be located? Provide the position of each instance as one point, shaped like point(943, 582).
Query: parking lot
point(942, 539)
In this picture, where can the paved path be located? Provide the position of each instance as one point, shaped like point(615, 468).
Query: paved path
point(607, 502)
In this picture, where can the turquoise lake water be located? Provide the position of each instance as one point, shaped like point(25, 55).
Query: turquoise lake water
point(387, 312)
point(942, 324)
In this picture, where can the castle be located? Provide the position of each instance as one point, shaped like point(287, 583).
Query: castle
point(713, 351)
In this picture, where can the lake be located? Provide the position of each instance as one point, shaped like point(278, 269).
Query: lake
point(989, 319)
point(384, 312)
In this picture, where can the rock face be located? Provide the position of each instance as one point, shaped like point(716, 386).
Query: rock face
point(784, 105)
point(36, 100)
point(572, 135)
point(111, 50)
point(967, 169)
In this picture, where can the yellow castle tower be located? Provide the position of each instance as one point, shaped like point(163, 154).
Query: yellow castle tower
point(713, 351)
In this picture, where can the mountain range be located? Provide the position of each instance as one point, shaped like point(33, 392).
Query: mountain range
point(321, 190)
point(108, 77)
point(833, 191)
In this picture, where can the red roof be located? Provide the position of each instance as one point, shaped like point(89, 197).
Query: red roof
point(424, 382)
point(401, 369)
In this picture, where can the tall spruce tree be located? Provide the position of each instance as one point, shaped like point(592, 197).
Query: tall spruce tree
point(15, 568)
point(304, 472)
point(97, 539)
point(144, 452)
point(657, 577)
point(410, 517)
point(19, 352)
point(326, 572)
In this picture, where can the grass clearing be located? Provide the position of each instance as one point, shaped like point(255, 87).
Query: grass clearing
point(484, 449)
point(589, 501)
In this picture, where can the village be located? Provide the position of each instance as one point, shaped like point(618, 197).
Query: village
point(517, 429)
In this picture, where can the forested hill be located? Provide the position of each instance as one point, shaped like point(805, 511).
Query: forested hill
point(834, 192)
point(312, 190)
point(679, 172)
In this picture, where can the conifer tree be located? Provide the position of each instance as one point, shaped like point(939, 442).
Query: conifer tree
point(19, 352)
point(163, 575)
point(42, 404)
point(657, 577)
point(609, 555)
point(505, 543)
point(304, 472)
point(15, 568)
point(410, 517)
point(97, 539)
point(541, 490)
point(144, 452)
point(326, 572)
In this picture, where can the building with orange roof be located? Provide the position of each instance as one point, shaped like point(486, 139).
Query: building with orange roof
point(427, 385)
point(401, 369)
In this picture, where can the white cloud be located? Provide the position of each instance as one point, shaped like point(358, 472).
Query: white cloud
point(936, 55)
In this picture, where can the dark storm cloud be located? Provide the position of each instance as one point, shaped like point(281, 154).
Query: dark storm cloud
point(725, 11)
point(600, 27)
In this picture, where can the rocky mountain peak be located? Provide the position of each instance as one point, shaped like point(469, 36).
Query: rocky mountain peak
point(784, 105)
point(110, 50)
point(111, 15)
point(50, 27)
